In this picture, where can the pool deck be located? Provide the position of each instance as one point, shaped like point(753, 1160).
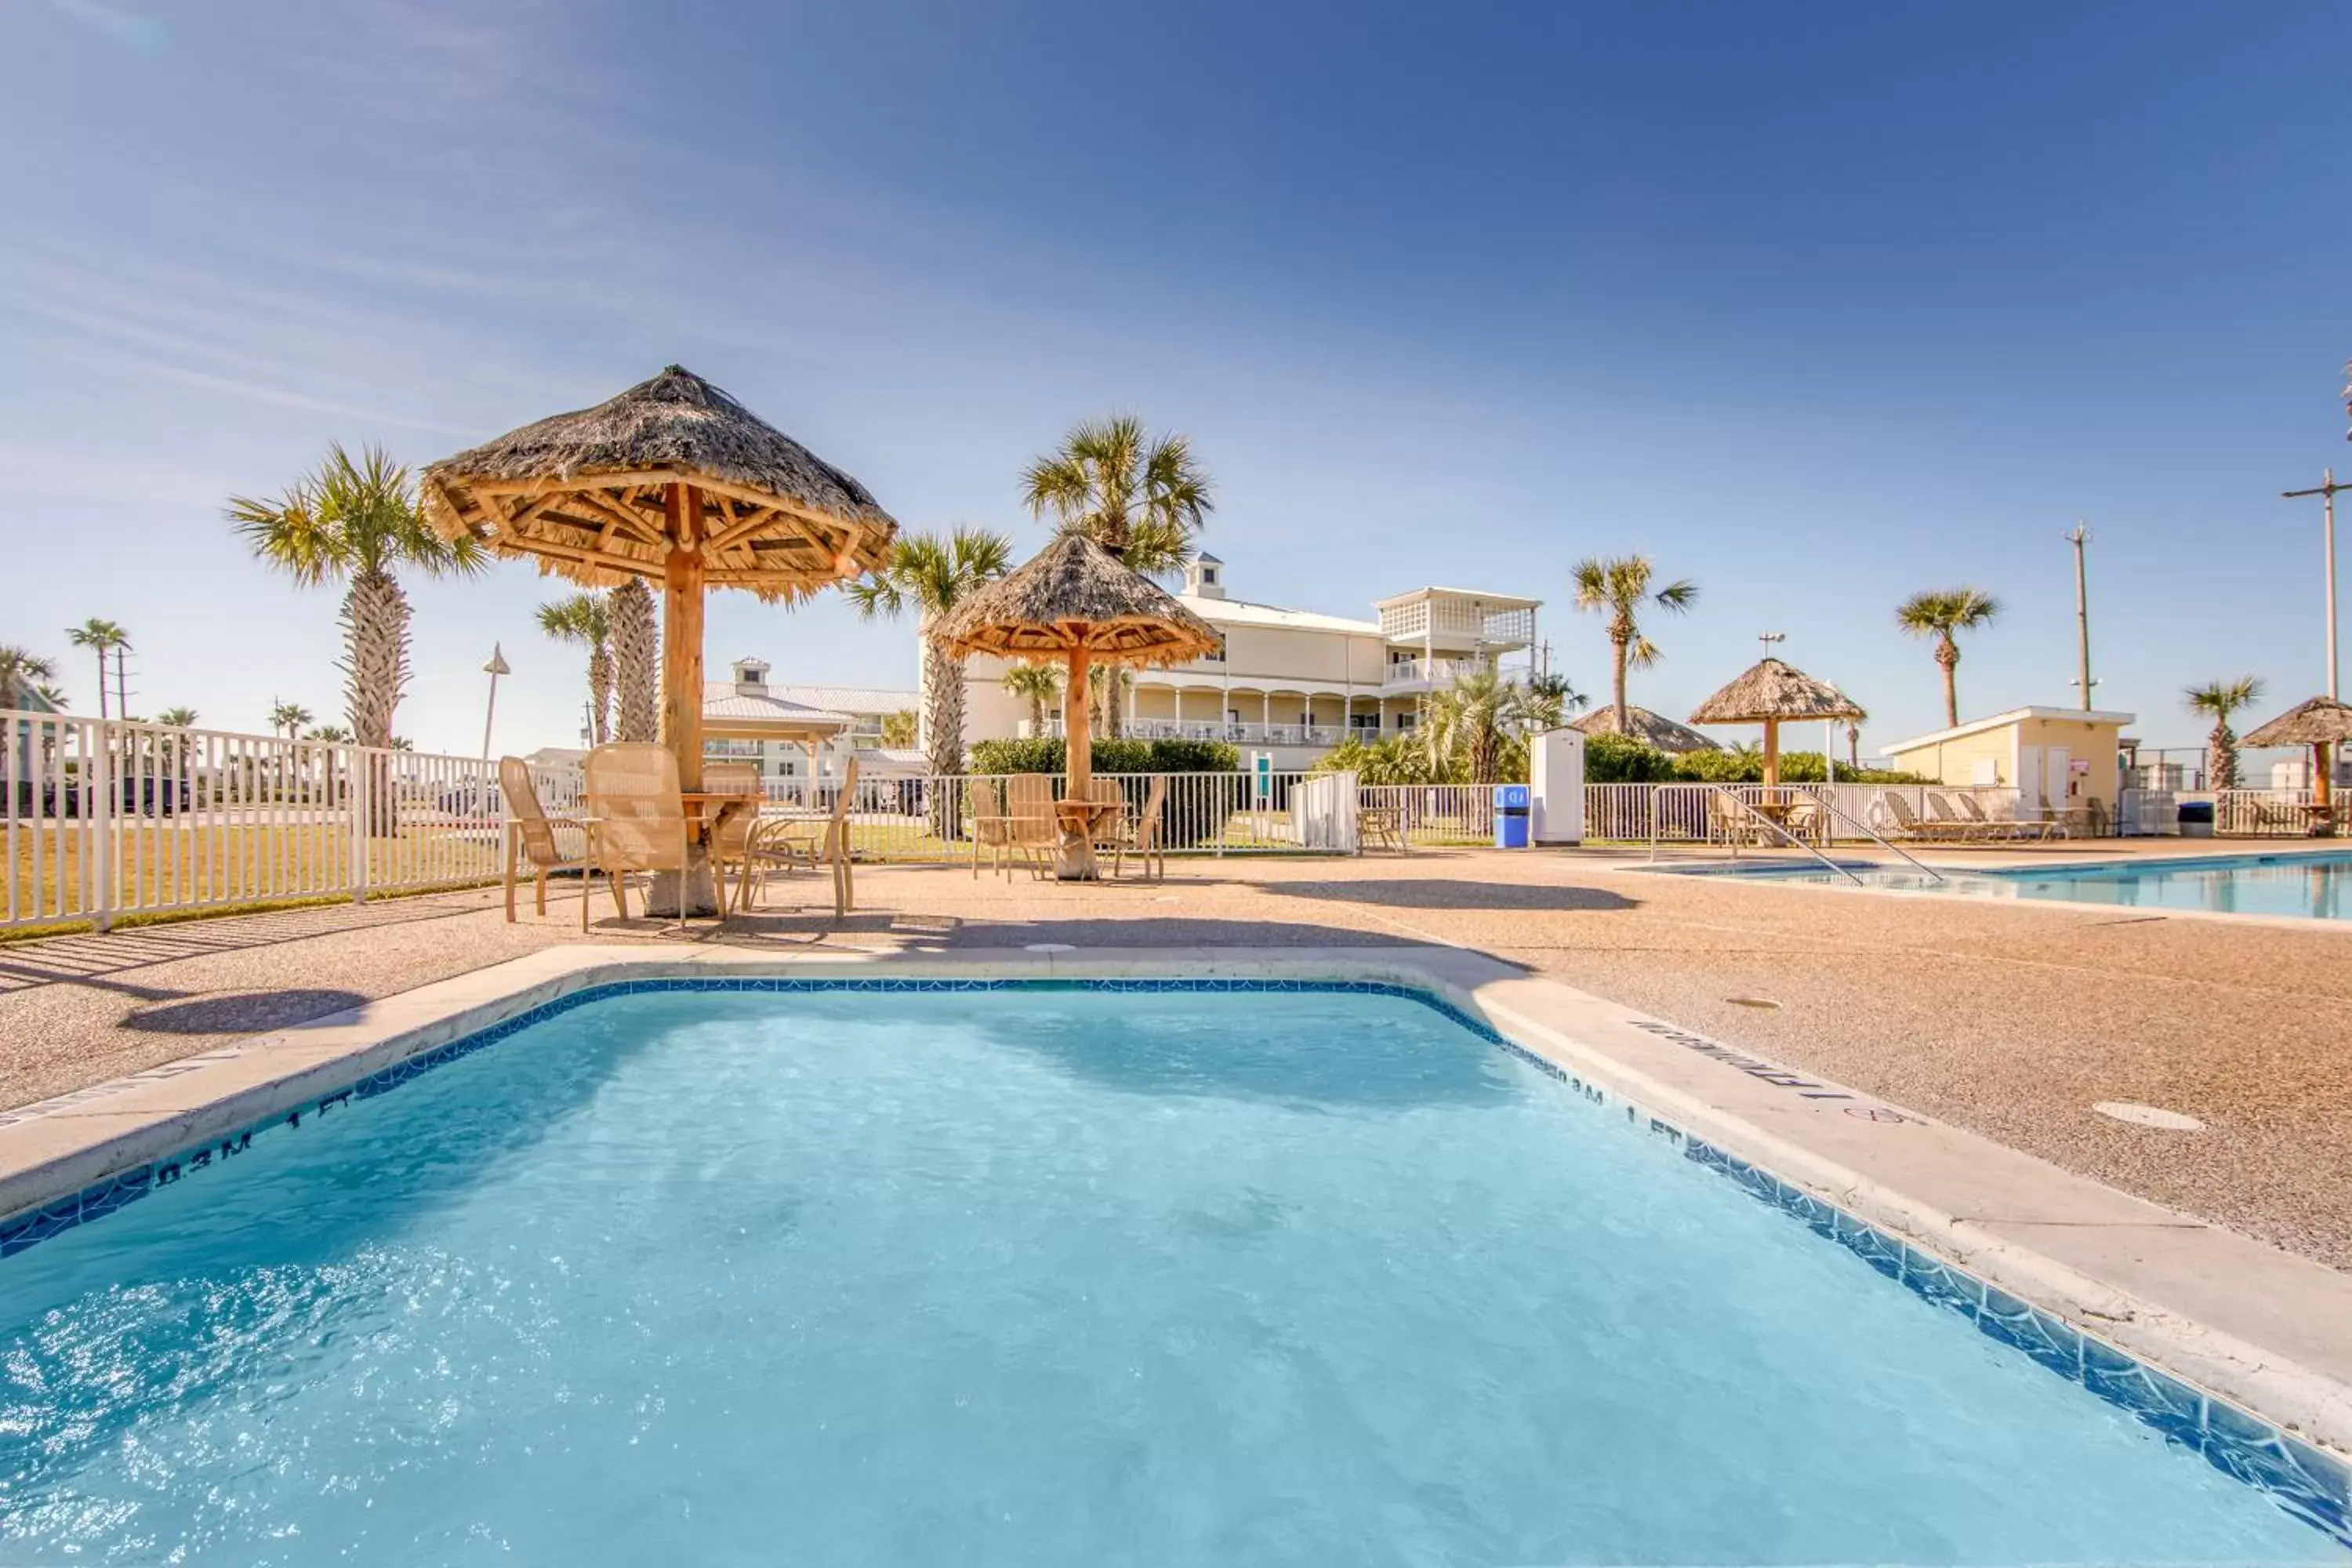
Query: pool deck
point(2005, 1021)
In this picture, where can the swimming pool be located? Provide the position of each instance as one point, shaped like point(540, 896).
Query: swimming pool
point(1048, 1275)
point(2315, 886)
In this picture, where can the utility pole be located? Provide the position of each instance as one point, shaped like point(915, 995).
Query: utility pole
point(2326, 494)
point(2079, 538)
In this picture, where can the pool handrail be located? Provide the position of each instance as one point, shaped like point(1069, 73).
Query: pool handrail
point(1828, 803)
point(1726, 793)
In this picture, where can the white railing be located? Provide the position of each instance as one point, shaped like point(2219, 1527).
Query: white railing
point(106, 819)
point(2143, 813)
point(931, 819)
point(2276, 813)
point(1209, 730)
point(1437, 671)
point(1685, 813)
point(1430, 814)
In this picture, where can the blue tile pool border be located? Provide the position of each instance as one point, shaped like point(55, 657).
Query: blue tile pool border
point(2309, 1484)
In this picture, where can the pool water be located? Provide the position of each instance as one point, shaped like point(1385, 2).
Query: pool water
point(1028, 1277)
point(2315, 886)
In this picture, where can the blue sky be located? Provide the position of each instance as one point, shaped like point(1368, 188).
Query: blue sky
point(1818, 305)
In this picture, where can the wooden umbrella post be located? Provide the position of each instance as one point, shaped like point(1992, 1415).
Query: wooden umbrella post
point(2323, 759)
point(1771, 753)
point(682, 588)
point(1075, 862)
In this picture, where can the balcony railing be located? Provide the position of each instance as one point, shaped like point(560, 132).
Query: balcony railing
point(1430, 671)
point(1209, 729)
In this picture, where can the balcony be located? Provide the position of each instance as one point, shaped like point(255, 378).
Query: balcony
point(1209, 729)
point(1412, 675)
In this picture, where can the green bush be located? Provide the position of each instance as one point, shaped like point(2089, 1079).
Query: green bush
point(1122, 756)
point(1616, 758)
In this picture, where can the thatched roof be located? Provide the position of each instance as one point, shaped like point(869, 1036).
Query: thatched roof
point(1650, 729)
point(1775, 690)
point(2316, 723)
point(1075, 593)
point(586, 493)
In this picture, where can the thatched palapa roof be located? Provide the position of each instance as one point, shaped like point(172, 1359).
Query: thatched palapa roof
point(1777, 691)
point(586, 493)
point(1650, 729)
point(1075, 593)
point(2320, 721)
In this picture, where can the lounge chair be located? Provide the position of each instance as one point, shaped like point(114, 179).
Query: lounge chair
point(636, 819)
point(1907, 823)
point(530, 832)
point(1972, 811)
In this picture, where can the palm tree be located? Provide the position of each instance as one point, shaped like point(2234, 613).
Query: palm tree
point(1551, 698)
point(289, 717)
point(22, 669)
point(1139, 495)
point(934, 574)
point(636, 660)
point(586, 619)
point(101, 638)
point(1037, 684)
point(1941, 613)
point(177, 718)
point(902, 727)
point(1618, 587)
point(2221, 699)
point(356, 523)
point(1468, 726)
point(328, 733)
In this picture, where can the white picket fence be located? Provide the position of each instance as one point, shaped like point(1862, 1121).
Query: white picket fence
point(2277, 812)
point(101, 819)
point(1845, 813)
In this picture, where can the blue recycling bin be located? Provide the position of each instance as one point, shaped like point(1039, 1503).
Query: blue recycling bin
point(1511, 816)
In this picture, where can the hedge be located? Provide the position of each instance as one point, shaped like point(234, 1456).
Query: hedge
point(1046, 755)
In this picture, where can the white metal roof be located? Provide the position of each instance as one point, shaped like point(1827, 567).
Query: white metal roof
point(1499, 601)
point(1241, 613)
point(720, 700)
point(862, 700)
point(2014, 716)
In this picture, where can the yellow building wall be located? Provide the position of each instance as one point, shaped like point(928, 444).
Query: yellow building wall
point(2083, 743)
point(1955, 761)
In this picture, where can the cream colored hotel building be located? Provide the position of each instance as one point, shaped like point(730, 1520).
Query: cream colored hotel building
point(1294, 683)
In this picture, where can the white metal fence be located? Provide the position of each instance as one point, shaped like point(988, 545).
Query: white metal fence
point(105, 819)
point(1824, 813)
point(2277, 812)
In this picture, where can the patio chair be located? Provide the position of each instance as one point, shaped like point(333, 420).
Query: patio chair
point(636, 819)
point(1110, 826)
point(1144, 833)
point(804, 842)
point(1381, 827)
point(992, 827)
point(1029, 803)
point(731, 842)
point(531, 833)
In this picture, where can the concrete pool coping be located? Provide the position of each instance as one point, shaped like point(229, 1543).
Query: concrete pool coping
point(2260, 1328)
point(1776, 873)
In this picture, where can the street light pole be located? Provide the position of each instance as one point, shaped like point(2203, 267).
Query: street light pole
point(2080, 537)
point(496, 668)
point(2326, 494)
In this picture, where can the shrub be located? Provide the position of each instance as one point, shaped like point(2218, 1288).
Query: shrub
point(1047, 755)
point(1617, 759)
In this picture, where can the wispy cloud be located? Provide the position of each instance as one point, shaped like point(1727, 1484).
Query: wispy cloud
point(148, 35)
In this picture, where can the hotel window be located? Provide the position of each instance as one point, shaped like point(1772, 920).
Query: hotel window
point(1216, 658)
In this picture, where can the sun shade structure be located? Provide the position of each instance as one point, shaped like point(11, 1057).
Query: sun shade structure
point(2323, 724)
point(1771, 693)
point(1076, 601)
point(1650, 729)
point(672, 480)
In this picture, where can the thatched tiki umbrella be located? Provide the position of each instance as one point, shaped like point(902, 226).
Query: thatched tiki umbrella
point(2323, 723)
point(675, 482)
point(1076, 601)
point(1772, 694)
